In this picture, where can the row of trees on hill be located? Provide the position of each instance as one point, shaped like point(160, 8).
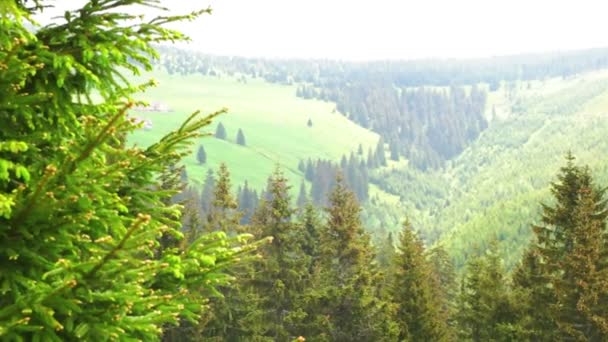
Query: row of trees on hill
point(426, 125)
point(320, 173)
point(412, 73)
point(220, 133)
point(321, 278)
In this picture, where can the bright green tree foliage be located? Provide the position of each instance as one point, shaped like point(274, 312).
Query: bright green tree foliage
point(81, 213)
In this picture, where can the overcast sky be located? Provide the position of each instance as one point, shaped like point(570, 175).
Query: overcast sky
point(394, 29)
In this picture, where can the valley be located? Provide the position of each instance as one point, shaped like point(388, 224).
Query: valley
point(490, 190)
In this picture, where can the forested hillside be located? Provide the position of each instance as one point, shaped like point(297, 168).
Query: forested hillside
point(330, 201)
point(426, 126)
point(466, 162)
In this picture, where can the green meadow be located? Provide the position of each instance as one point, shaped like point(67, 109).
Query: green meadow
point(272, 118)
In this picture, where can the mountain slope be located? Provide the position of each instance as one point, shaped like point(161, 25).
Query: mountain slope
point(497, 183)
point(273, 119)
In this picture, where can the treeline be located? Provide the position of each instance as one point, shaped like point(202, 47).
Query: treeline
point(415, 73)
point(322, 279)
point(428, 126)
point(425, 125)
point(322, 173)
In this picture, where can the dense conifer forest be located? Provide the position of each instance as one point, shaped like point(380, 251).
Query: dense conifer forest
point(111, 232)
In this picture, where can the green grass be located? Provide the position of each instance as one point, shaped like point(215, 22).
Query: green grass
point(273, 120)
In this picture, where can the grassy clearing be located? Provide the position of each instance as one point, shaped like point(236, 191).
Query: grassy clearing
point(273, 120)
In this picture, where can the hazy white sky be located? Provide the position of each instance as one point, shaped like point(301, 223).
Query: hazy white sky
point(381, 29)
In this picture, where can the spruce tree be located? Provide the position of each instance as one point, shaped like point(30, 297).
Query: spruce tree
point(413, 290)
point(220, 132)
point(445, 279)
point(310, 219)
point(247, 203)
point(394, 149)
point(227, 320)
point(485, 308)
point(546, 277)
point(310, 172)
point(281, 274)
point(532, 291)
point(302, 198)
point(81, 211)
point(207, 192)
point(240, 138)
point(371, 160)
point(201, 155)
point(343, 281)
point(380, 154)
point(582, 290)
point(301, 166)
point(343, 163)
point(223, 215)
point(386, 252)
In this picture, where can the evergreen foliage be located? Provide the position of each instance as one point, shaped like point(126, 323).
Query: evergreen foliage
point(101, 240)
point(380, 154)
point(310, 219)
point(81, 212)
point(386, 252)
point(415, 293)
point(447, 287)
point(223, 215)
point(207, 192)
point(485, 308)
point(565, 266)
point(302, 198)
point(201, 155)
point(282, 271)
point(343, 280)
point(248, 202)
point(240, 138)
point(394, 149)
point(220, 132)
